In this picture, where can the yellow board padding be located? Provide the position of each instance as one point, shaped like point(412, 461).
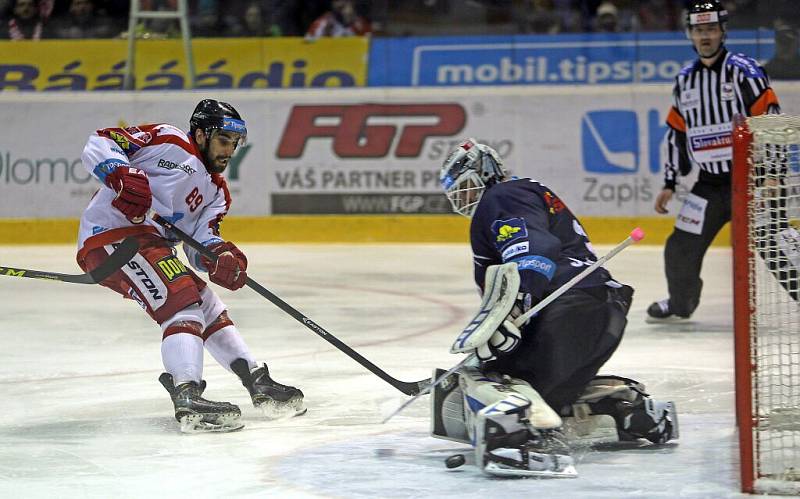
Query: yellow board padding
point(38, 230)
point(352, 229)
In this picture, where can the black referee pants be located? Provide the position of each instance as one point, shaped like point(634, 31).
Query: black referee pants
point(684, 251)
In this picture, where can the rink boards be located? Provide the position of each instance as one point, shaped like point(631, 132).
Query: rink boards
point(360, 164)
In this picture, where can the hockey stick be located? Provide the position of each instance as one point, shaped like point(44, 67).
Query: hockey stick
point(635, 236)
point(121, 255)
point(407, 387)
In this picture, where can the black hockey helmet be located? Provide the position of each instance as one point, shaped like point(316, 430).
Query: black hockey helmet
point(706, 12)
point(210, 115)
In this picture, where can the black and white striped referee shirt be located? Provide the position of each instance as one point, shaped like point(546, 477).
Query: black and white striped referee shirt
point(705, 100)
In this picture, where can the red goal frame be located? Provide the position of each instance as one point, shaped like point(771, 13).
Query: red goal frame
point(742, 306)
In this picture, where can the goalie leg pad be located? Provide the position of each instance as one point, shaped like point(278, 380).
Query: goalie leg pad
point(789, 244)
point(481, 390)
point(448, 417)
point(447, 410)
point(635, 414)
point(514, 432)
point(540, 415)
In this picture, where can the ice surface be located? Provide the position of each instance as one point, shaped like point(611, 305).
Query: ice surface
point(84, 415)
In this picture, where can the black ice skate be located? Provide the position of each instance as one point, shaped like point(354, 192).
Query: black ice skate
point(274, 399)
point(659, 311)
point(650, 419)
point(196, 414)
point(527, 453)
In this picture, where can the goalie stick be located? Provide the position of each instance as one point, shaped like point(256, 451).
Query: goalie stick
point(121, 255)
point(406, 387)
point(635, 236)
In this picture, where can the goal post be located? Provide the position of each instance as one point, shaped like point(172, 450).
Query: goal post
point(766, 290)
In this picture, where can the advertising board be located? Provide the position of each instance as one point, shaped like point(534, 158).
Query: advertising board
point(363, 151)
point(565, 59)
point(220, 63)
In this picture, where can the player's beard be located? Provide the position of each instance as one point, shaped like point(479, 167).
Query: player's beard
point(216, 167)
point(211, 163)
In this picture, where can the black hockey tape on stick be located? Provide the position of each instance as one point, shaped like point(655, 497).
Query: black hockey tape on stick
point(635, 236)
point(406, 387)
point(121, 255)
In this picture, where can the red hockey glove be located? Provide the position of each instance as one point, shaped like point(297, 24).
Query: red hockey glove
point(229, 271)
point(133, 192)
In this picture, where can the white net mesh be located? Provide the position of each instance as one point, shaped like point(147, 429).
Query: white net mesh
point(774, 213)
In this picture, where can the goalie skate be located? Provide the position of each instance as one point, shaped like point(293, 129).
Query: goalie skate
point(516, 434)
point(543, 454)
point(276, 401)
point(618, 406)
point(196, 414)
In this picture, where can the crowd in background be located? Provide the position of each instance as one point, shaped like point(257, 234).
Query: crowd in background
point(75, 19)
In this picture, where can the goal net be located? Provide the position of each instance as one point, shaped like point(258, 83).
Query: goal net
point(766, 255)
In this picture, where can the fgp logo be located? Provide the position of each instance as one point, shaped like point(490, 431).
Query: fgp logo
point(355, 135)
point(610, 141)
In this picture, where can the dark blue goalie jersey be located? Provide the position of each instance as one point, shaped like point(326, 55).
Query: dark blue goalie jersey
point(525, 222)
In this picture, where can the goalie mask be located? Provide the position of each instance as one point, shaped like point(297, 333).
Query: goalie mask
point(469, 170)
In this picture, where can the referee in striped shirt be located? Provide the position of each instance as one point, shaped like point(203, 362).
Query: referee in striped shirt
point(707, 95)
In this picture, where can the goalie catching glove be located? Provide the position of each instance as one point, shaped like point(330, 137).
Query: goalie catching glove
point(508, 335)
point(229, 270)
point(493, 331)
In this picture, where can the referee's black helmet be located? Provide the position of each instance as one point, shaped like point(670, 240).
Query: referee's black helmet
point(706, 12)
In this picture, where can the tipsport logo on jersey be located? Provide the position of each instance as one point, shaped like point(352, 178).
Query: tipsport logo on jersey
point(616, 146)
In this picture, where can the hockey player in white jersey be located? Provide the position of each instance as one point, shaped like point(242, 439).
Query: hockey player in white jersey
point(536, 384)
point(179, 176)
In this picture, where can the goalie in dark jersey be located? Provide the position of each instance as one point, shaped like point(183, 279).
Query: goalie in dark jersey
point(511, 405)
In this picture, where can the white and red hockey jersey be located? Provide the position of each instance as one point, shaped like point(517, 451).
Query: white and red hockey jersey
point(183, 190)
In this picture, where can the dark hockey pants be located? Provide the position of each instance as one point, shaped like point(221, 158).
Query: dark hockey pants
point(684, 251)
point(564, 346)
